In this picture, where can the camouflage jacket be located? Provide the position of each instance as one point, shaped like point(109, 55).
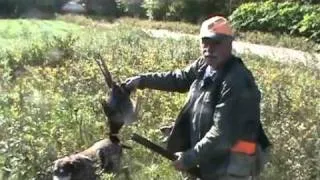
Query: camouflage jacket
point(219, 111)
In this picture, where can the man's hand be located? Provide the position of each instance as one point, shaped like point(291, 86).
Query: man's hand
point(132, 83)
point(178, 164)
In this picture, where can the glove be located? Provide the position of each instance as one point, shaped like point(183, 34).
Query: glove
point(132, 83)
point(178, 164)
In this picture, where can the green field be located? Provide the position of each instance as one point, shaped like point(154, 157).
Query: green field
point(19, 32)
point(51, 87)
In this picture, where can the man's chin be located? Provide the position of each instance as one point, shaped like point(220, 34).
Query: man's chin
point(211, 61)
point(61, 178)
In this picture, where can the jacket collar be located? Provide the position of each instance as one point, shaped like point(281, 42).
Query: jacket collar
point(224, 69)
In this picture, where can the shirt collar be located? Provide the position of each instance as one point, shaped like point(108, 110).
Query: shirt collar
point(209, 72)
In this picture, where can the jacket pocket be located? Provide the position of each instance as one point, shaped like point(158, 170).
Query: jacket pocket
point(262, 159)
point(241, 164)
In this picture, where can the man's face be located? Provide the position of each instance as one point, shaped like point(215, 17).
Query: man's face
point(216, 52)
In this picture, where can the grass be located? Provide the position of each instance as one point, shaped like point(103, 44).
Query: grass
point(272, 39)
point(51, 111)
point(280, 40)
point(14, 31)
point(9, 30)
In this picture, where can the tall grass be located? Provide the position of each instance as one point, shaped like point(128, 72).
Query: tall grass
point(52, 109)
point(272, 39)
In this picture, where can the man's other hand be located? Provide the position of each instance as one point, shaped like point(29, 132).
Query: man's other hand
point(132, 83)
point(178, 164)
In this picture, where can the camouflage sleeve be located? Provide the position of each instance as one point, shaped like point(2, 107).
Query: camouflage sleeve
point(178, 80)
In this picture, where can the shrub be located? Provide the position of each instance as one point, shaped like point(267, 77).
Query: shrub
point(22, 6)
point(309, 26)
point(155, 9)
point(131, 8)
point(185, 10)
point(103, 7)
point(287, 17)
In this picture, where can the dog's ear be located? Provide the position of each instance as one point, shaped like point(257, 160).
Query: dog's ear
point(75, 164)
point(102, 159)
point(63, 165)
point(79, 161)
point(69, 167)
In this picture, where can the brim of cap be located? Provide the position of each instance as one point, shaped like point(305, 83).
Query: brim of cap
point(216, 36)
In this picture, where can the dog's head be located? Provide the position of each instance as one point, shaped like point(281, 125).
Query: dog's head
point(74, 167)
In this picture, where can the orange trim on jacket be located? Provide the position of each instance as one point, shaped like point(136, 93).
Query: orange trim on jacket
point(245, 147)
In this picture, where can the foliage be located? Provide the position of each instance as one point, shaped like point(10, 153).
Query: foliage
point(185, 10)
point(310, 25)
point(155, 9)
point(45, 43)
point(17, 7)
point(290, 96)
point(131, 8)
point(288, 17)
point(51, 111)
point(103, 7)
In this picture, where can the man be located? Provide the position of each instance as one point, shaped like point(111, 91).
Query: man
point(219, 128)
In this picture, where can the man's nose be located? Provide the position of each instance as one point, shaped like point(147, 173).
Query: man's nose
point(208, 50)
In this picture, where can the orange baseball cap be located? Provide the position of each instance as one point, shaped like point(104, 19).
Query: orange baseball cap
point(216, 27)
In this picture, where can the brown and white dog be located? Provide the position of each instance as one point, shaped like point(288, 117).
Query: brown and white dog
point(81, 166)
point(118, 109)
